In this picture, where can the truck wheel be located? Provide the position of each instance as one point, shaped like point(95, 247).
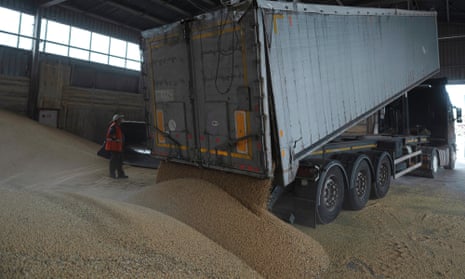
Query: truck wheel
point(330, 194)
point(434, 164)
point(452, 158)
point(360, 186)
point(383, 174)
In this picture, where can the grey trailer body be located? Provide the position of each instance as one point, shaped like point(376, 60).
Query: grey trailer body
point(255, 91)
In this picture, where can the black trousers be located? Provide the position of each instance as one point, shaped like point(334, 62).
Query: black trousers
point(116, 164)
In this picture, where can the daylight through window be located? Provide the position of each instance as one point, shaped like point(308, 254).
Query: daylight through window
point(17, 28)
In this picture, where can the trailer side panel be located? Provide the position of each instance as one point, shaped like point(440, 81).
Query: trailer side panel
point(332, 66)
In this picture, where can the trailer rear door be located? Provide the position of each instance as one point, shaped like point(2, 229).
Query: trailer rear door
point(207, 106)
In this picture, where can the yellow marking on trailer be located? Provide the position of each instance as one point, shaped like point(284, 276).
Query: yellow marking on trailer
point(160, 126)
point(240, 119)
point(216, 33)
point(337, 149)
point(411, 140)
point(364, 146)
point(205, 150)
point(281, 133)
point(355, 147)
point(163, 37)
point(283, 153)
point(211, 25)
point(226, 153)
point(275, 23)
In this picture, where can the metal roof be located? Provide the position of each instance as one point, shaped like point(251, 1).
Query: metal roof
point(146, 14)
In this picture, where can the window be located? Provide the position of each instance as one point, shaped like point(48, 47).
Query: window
point(133, 57)
point(78, 43)
point(26, 29)
point(118, 49)
point(16, 30)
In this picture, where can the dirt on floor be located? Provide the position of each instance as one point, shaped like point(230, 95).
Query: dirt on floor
point(62, 216)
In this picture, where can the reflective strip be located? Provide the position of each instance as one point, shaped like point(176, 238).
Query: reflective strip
point(160, 126)
point(216, 33)
point(240, 118)
point(275, 23)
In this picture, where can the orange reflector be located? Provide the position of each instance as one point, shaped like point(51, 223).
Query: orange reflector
point(240, 118)
point(160, 126)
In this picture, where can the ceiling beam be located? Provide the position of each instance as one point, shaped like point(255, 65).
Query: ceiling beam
point(171, 7)
point(92, 15)
point(137, 12)
point(50, 3)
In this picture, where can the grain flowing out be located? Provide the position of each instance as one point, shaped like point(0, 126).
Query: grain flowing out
point(273, 248)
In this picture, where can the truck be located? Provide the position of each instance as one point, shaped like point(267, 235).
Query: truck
point(267, 89)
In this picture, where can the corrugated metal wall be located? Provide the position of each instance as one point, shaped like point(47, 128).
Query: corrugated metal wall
point(13, 93)
point(87, 112)
point(14, 81)
point(452, 52)
point(81, 111)
point(25, 6)
point(14, 62)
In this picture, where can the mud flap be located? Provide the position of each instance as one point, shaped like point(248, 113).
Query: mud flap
point(296, 207)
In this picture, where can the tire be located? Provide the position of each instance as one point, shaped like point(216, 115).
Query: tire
point(383, 173)
point(452, 158)
point(360, 186)
point(434, 164)
point(330, 194)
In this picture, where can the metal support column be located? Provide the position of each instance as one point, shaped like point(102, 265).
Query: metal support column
point(34, 77)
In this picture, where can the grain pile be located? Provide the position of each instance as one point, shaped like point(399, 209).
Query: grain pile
point(54, 222)
point(273, 248)
point(65, 235)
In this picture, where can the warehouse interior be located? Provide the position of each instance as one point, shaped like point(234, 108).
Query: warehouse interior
point(70, 65)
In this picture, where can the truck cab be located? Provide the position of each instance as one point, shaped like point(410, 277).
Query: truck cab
point(426, 110)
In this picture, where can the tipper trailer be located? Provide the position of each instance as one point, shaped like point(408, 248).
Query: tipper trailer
point(266, 88)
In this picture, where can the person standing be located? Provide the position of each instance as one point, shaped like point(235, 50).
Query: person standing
point(114, 144)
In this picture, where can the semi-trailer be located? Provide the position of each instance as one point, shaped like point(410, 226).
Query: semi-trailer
point(267, 89)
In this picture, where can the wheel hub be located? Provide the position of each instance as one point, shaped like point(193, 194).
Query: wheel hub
point(361, 183)
point(383, 175)
point(330, 192)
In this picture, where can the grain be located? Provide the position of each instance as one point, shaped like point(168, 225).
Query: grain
point(59, 217)
point(251, 192)
point(65, 235)
point(273, 248)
